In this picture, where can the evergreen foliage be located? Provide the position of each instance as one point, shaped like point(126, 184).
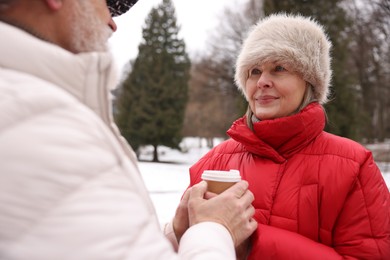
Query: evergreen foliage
point(151, 104)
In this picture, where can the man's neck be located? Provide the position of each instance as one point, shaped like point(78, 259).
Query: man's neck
point(24, 27)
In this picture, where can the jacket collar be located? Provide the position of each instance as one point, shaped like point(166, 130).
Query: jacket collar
point(86, 76)
point(281, 138)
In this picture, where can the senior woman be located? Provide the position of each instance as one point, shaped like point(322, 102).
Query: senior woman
point(317, 195)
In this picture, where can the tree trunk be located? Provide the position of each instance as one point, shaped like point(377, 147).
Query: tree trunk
point(210, 142)
point(155, 153)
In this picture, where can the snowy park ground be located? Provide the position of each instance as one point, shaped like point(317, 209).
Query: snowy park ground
point(166, 181)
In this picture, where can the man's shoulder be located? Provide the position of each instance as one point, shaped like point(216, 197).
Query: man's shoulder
point(23, 87)
point(25, 97)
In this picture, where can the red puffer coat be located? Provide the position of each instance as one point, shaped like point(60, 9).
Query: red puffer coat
point(317, 195)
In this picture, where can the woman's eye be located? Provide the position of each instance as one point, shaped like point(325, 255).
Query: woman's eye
point(255, 72)
point(279, 68)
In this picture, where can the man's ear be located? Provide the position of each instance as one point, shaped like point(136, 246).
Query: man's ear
point(54, 4)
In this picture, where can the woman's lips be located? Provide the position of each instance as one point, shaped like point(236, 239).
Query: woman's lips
point(265, 99)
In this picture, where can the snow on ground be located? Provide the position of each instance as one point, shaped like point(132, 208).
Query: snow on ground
point(167, 181)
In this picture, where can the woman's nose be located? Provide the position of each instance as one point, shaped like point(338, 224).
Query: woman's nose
point(264, 80)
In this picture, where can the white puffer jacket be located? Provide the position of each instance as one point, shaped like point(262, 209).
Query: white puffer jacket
point(69, 184)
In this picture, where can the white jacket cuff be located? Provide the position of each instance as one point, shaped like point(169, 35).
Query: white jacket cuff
point(170, 235)
point(208, 238)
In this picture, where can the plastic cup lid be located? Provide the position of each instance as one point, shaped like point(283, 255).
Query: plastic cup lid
point(222, 176)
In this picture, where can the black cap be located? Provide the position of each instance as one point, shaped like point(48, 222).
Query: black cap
point(118, 7)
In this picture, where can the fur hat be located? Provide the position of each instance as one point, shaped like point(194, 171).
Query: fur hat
point(118, 7)
point(297, 41)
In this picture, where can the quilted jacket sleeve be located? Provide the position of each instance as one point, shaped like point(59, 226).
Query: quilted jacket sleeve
point(363, 227)
point(68, 191)
point(361, 232)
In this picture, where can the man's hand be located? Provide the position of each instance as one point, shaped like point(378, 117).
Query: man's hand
point(180, 221)
point(232, 209)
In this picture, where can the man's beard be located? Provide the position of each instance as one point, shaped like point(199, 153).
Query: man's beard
point(89, 34)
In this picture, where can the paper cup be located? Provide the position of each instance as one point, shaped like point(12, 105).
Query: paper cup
point(219, 181)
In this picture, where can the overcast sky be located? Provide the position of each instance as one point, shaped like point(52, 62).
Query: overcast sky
point(196, 18)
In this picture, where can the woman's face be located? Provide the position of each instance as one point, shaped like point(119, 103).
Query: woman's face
point(274, 90)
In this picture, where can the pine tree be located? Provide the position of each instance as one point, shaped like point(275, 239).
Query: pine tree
point(151, 104)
